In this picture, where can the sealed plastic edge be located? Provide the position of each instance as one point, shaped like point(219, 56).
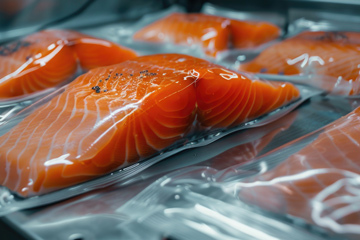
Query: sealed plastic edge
point(9, 202)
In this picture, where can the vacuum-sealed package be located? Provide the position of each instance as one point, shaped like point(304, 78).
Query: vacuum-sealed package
point(51, 57)
point(210, 33)
point(318, 183)
point(116, 116)
point(325, 59)
point(40, 63)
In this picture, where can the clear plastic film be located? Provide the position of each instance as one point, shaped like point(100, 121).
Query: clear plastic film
point(37, 64)
point(311, 184)
point(71, 218)
point(312, 181)
point(128, 117)
point(198, 34)
point(181, 206)
point(318, 180)
point(192, 204)
point(322, 54)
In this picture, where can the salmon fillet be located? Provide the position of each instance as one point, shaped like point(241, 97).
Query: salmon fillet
point(114, 116)
point(48, 58)
point(296, 185)
point(334, 54)
point(212, 33)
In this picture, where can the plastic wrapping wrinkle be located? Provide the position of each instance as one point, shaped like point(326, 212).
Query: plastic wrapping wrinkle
point(50, 58)
point(115, 116)
point(212, 33)
point(319, 183)
point(328, 60)
point(61, 220)
point(103, 227)
point(191, 204)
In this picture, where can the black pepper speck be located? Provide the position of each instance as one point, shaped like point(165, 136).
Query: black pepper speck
point(96, 88)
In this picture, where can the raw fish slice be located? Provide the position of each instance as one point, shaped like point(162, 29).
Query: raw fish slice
point(113, 116)
point(212, 33)
point(295, 185)
point(215, 84)
point(89, 129)
point(228, 115)
point(48, 58)
point(246, 34)
point(333, 54)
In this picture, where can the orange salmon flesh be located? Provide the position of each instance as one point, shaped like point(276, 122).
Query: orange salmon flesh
point(332, 54)
point(114, 116)
point(293, 186)
point(212, 33)
point(48, 58)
